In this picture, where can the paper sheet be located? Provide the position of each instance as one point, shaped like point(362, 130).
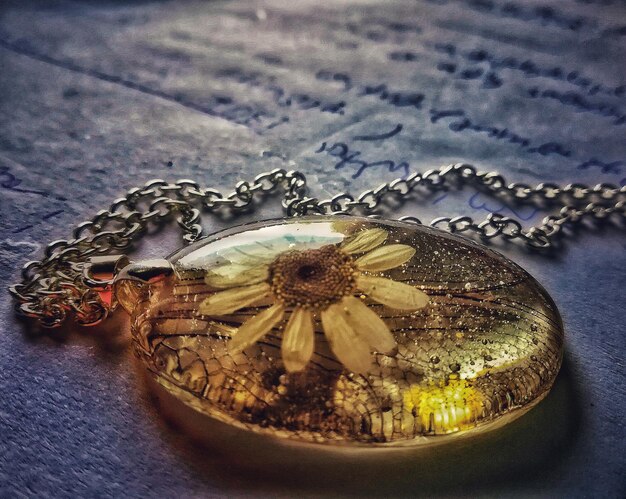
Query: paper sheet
point(97, 97)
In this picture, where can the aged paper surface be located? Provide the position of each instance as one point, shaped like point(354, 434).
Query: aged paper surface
point(98, 97)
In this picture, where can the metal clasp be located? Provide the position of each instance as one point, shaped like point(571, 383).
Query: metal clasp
point(100, 271)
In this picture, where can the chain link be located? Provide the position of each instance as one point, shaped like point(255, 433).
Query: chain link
point(54, 287)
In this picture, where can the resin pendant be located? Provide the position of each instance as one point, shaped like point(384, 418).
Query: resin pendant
point(344, 330)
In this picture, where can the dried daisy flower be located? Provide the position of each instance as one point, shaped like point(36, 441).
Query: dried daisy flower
point(320, 281)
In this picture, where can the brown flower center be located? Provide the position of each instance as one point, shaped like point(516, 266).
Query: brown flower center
point(313, 278)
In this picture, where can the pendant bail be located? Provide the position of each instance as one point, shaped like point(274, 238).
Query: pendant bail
point(99, 273)
point(132, 282)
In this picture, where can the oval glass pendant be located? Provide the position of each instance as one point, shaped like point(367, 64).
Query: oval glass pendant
point(344, 331)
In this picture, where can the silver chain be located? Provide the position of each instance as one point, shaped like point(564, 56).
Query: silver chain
point(54, 287)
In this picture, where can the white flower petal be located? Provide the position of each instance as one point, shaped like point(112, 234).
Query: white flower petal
point(226, 302)
point(366, 240)
point(351, 350)
point(386, 257)
point(298, 340)
point(236, 276)
point(392, 293)
point(256, 327)
point(368, 325)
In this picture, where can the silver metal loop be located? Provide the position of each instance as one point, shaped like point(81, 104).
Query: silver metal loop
point(460, 224)
point(548, 191)
point(436, 222)
point(410, 219)
point(577, 191)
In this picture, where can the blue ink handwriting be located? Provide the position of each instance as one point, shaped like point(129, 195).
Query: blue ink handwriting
point(44, 217)
point(382, 136)
point(382, 31)
point(398, 99)
point(279, 94)
point(612, 167)
point(579, 102)
point(325, 75)
point(538, 14)
point(11, 182)
point(528, 67)
point(465, 123)
point(345, 157)
point(476, 203)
